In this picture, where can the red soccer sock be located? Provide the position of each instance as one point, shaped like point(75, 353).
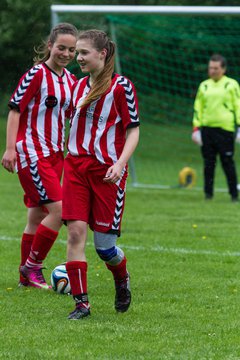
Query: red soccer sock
point(42, 243)
point(119, 271)
point(77, 273)
point(26, 243)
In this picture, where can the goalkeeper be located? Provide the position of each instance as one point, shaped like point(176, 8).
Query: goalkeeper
point(216, 116)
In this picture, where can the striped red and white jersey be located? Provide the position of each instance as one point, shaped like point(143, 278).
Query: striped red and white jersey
point(43, 99)
point(99, 128)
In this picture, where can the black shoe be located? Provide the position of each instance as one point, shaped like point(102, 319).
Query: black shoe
point(79, 313)
point(235, 199)
point(123, 294)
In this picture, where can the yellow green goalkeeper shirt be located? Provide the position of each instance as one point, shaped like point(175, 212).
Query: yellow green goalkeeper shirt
point(217, 104)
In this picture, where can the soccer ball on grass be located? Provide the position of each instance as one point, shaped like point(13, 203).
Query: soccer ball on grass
point(60, 281)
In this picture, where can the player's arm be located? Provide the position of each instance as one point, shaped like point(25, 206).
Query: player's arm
point(9, 157)
point(127, 107)
point(27, 88)
point(197, 109)
point(236, 101)
point(236, 107)
point(197, 115)
point(114, 172)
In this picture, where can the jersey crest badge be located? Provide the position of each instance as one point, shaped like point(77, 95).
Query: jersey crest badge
point(51, 101)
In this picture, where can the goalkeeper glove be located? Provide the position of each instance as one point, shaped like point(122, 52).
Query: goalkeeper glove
point(196, 136)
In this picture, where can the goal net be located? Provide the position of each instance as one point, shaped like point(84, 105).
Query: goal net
point(166, 57)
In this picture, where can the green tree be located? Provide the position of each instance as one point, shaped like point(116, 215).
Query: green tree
point(23, 24)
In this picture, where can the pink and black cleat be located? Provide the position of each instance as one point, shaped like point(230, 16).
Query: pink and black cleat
point(35, 277)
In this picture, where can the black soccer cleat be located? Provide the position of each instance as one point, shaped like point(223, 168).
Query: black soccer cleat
point(123, 294)
point(79, 313)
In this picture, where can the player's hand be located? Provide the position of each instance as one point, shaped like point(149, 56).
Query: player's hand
point(113, 174)
point(197, 137)
point(237, 139)
point(9, 160)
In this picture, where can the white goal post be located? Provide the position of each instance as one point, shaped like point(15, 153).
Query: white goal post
point(143, 9)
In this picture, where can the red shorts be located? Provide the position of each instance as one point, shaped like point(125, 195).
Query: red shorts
point(86, 197)
point(41, 180)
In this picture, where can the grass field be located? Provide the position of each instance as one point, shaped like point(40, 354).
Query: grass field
point(165, 149)
point(184, 260)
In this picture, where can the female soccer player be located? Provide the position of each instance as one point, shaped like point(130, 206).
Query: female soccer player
point(35, 144)
point(103, 135)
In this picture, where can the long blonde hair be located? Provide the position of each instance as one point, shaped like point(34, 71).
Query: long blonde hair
point(42, 52)
point(101, 84)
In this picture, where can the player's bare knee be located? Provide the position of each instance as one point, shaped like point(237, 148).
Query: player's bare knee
point(74, 238)
point(34, 218)
point(55, 208)
point(73, 241)
point(77, 233)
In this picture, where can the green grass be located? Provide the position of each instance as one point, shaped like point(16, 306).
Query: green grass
point(183, 256)
point(165, 149)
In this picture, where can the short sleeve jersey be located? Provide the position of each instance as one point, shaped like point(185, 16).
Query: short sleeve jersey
point(99, 128)
point(43, 99)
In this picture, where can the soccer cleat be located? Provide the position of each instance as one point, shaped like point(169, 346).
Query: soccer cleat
point(22, 280)
point(79, 313)
point(35, 277)
point(123, 294)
